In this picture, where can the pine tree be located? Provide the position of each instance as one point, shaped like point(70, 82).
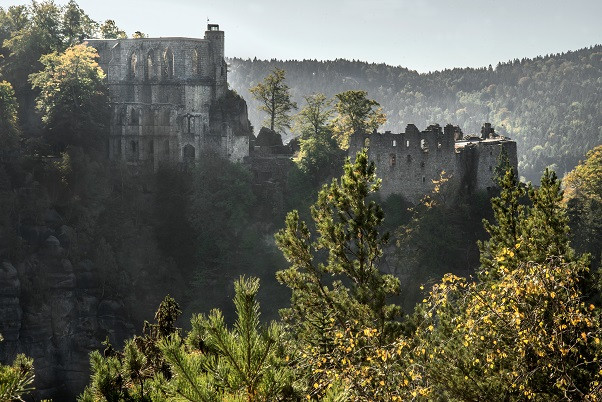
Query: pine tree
point(16, 380)
point(245, 363)
point(140, 371)
point(334, 275)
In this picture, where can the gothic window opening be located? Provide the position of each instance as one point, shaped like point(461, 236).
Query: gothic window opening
point(150, 68)
point(394, 143)
point(119, 117)
point(190, 124)
point(407, 143)
point(196, 62)
point(168, 64)
point(166, 118)
point(133, 150)
point(134, 118)
point(424, 145)
point(133, 65)
point(392, 160)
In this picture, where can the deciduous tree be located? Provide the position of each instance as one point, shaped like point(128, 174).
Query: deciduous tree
point(319, 154)
point(275, 98)
point(356, 113)
point(73, 98)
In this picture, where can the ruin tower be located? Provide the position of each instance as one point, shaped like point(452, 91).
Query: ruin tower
point(170, 100)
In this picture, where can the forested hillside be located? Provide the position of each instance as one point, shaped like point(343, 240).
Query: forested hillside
point(551, 105)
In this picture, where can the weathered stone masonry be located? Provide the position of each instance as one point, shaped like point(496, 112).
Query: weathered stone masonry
point(408, 162)
point(164, 94)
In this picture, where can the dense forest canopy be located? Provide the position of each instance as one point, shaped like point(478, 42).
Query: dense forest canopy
point(550, 104)
point(88, 247)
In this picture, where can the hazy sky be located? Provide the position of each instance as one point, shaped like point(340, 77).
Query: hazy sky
point(419, 34)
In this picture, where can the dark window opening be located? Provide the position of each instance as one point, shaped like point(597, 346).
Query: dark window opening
point(134, 149)
point(409, 159)
point(134, 118)
point(392, 160)
point(423, 179)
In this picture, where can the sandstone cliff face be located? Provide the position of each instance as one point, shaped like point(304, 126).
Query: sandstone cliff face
point(56, 314)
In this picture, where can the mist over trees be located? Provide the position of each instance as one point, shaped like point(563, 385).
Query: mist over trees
point(382, 300)
point(549, 104)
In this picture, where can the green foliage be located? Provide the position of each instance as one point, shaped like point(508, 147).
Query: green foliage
point(583, 199)
point(275, 99)
point(551, 115)
point(140, 371)
point(73, 98)
point(16, 380)
point(319, 155)
point(110, 30)
point(334, 277)
point(245, 363)
point(76, 25)
point(10, 132)
point(524, 331)
point(356, 113)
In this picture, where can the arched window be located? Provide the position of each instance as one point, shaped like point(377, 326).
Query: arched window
point(190, 124)
point(134, 118)
point(133, 64)
point(150, 65)
point(168, 64)
point(196, 62)
point(165, 120)
point(119, 117)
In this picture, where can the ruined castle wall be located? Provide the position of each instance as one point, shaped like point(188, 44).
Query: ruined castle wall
point(409, 162)
point(161, 91)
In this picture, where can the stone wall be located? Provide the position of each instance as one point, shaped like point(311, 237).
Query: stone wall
point(162, 91)
point(409, 162)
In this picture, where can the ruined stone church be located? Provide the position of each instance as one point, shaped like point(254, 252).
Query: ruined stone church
point(170, 100)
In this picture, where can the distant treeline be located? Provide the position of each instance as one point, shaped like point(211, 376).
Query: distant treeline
point(551, 105)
